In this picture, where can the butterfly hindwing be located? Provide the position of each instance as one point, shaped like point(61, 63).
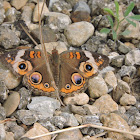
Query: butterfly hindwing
point(76, 67)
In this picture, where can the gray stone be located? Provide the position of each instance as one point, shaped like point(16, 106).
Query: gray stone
point(73, 2)
point(47, 124)
point(77, 110)
point(133, 57)
point(81, 6)
point(11, 15)
point(91, 119)
point(9, 79)
point(57, 21)
point(132, 111)
point(104, 22)
point(78, 33)
point(96, 21)
point(118, 61)
point(58, 121)
point(61, 7)
point(127, 71)
point(90, 109)
point(103, 49)
point(123, 48)
point(121, 89)
point(16, 129)
point(137, 119)
point(44, 106)
point(96, 6)
point(25, 97)
point(93, 43)
point(3, 91)
point(26, 14)
point(48, 35)
point(2, 113)
point(112, 45)
point(70, 119)
point(2, 15)
point(8, 38)
point(112, 55)
point(27, 117)
point(2, 132)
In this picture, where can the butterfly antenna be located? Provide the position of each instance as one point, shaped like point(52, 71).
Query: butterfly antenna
point(46, 55)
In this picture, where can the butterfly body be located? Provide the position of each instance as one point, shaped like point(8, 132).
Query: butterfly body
point(70, 69)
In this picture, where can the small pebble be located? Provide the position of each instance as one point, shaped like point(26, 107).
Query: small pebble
point(77, 99)
point(69, 135)
point(18, 4)
point(127, 99)
point(37, 130)
point(97, 87)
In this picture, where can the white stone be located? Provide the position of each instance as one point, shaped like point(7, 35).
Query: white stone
point(44, 12)
point(77, 99)
point(97, 87)
point(18, 4)
point(127, 99)
point(133, 57)
point(111, 79)
point(57, 21)
point(78, 33)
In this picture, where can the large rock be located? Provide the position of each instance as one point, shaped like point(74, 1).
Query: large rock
point(44, 106)
point(78, 33)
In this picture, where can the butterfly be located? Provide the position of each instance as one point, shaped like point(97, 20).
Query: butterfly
point(70, 69)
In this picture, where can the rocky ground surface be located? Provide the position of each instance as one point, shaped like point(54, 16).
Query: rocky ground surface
point(112, 98)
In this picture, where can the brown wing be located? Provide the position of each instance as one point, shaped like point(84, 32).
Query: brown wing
point(31, 65)
point(77, 67)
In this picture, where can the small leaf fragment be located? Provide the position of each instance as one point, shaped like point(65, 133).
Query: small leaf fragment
point(131, 22)
point(111, 21)
point(126, 32)
point(105, 30)
point(129, 9)
point(109, 11)
point(135, 17)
